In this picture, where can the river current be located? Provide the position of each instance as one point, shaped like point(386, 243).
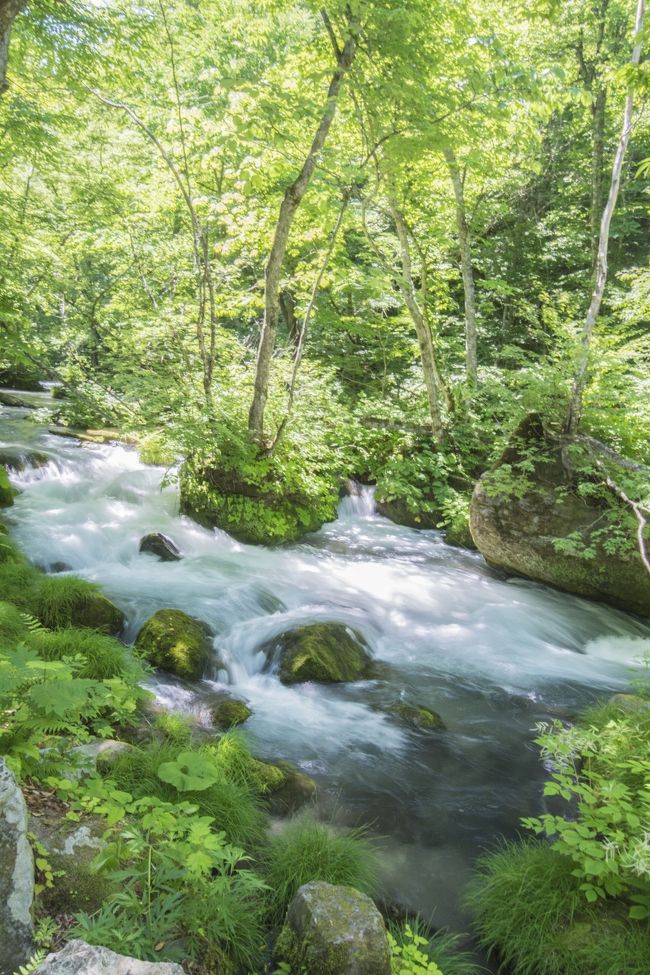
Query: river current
point(493, 656)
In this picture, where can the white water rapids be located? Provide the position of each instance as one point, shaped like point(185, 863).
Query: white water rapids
point(492, 656)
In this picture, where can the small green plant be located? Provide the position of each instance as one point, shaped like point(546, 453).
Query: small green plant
point(408, 955)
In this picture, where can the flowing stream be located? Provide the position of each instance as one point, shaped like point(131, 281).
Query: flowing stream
point(492, 656)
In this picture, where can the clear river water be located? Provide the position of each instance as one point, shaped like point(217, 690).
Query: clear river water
point(493, 656)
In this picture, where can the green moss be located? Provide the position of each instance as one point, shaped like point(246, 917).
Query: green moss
point(417, 717)
point(530, 912)
point(76, 887)
point(229, 712)
point(325, 652)
point(6, 490)
point(176, 642)
point(67, 601)
point(238, 765)
point(154, 450)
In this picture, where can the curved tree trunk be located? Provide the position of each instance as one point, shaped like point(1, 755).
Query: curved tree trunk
point(292, 199)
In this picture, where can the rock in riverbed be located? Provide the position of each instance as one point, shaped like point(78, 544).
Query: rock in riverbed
point(325, 652)
point(332, 930)
point(160, 546)
point(176, 642)
point(79, 958)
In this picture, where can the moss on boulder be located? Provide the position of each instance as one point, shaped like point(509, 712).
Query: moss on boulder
point(265, 513)
point(421, 718)
point(517, 530)
point(229, 712)
point(334, 930)
point(324, 652)
point(398, 511)
point(67, 601)
point(6, 490)
point(176, 642)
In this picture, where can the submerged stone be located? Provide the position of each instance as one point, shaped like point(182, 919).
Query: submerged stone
point(424, 719)
point(324, 652)
point(176, 642)
point(518, 531)
point(79, 958)
point(161, 546)
point(16, 876)
point(334, 930)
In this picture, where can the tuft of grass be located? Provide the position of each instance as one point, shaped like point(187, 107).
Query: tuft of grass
point(234, 807)
point(13, 628)
point(233, 756)
point(58, 598)
point(307, 850)
point(18, 583)
point(174, 728)
point(530, 913)
point(103, 657)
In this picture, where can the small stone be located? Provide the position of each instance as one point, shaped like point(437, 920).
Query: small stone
point(160, 546)
point(79, 958)
point(16, 876)
point(332, 930)
point(421, 718)
point(229, 712)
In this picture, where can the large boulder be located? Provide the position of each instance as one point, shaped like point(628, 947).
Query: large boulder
point(176, 642)
point(326, 652)
point(79, 958)
point(266, 512)
point(331, 930)
point(160, 546)
point(6, 490)
point(518, 530)
point(16, 876)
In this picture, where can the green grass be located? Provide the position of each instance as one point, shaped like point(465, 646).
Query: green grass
point(18, 583)
point(307, 850)
point(13, 628)
point(531, 915)
point(103, 656)
point(234, 807)
point(59, 596)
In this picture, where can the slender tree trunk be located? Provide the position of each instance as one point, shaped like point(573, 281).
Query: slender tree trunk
point(575, 405)
point(288, 307)
point(432, 378)
point(597, 160)
point(292, 199)
point(465, 248)
point(9, 10)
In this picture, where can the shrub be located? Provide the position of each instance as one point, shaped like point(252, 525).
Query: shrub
point(531, 913)
point(307, 850)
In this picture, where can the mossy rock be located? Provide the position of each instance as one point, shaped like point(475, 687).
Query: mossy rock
point(518, 533)
point(416, 716)
point(76, 887)
point(630, 703)
point(257, 515)
point(6, 490)
point(398, 511)
point(324, 652)
point(63, 601)
point(458, 534)
point(176, 642)
point(16, 461)
point(99, 613)
point(229, 712)
point(334, 930)
point(294, 791)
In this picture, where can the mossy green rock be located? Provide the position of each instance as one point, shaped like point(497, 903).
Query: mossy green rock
point(325, 652)
point(99, 613)
point(458, 534)
point(295, 790)
point(176, 642)
point(518, 533)
point(230, 712)
point(398, 511)
point(417, 717)
point(6, 490)
point(630, 703)
point(257, 514)
point(334, 930)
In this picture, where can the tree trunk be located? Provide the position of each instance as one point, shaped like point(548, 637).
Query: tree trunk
point(432, 378)
point(465, 248)
point(575, 404)
point(288, 307)
point(597, 158)
point(9, 10)
point(292, 199)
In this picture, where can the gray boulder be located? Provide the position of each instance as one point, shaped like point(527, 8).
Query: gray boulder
point(78, 958)
point(160, 546)
point(16, 876)
point(331, 930)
